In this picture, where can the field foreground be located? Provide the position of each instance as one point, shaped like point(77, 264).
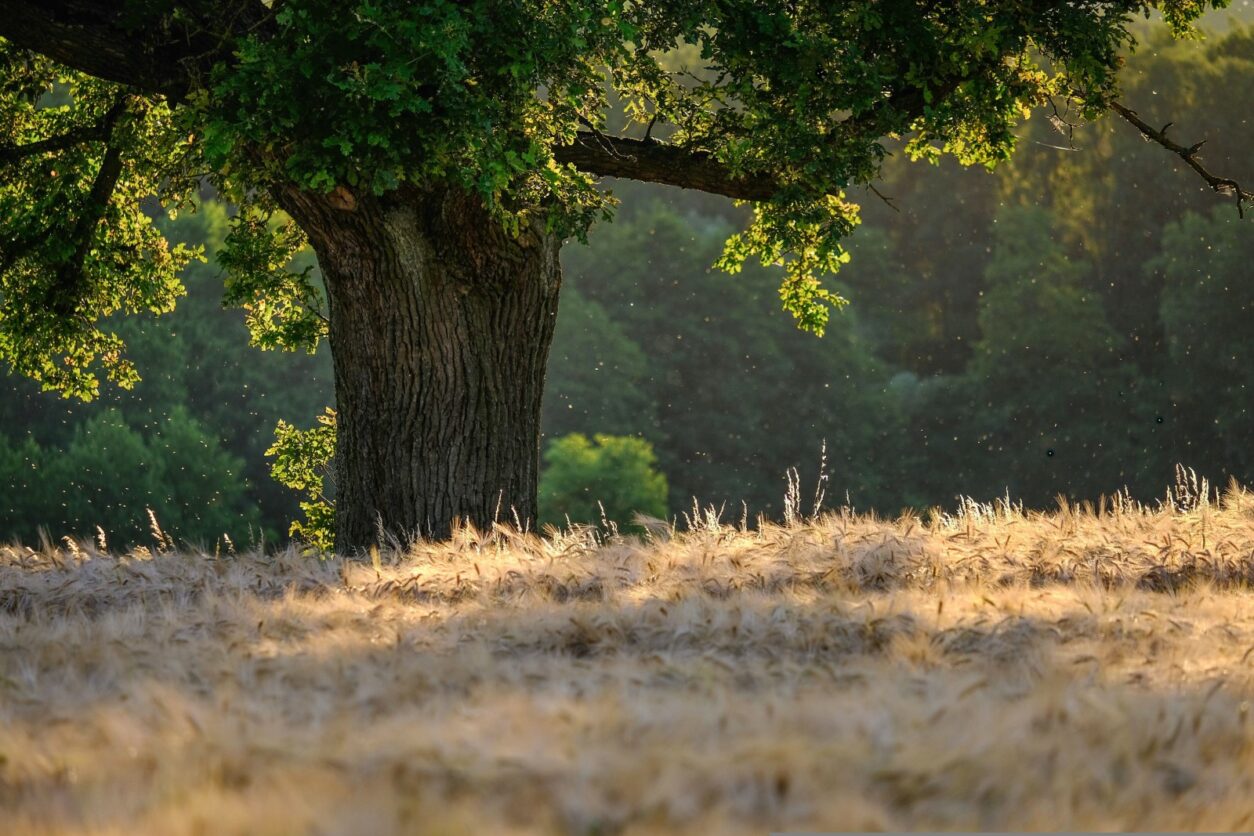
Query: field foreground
point(993, 670)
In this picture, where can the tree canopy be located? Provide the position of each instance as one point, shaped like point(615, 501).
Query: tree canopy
point(785, 104)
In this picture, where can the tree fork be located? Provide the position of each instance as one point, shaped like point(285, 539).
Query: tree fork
point(440, 325)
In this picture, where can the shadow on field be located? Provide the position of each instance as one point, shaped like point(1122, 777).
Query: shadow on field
point(828, 679)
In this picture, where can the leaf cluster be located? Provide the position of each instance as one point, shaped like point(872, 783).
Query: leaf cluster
point(77, 246)
point(283, 307)
point(302, 461)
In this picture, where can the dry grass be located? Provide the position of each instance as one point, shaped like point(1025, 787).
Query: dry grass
point(994, 670)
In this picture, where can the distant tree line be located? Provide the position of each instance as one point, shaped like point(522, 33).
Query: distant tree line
point(1075, 324)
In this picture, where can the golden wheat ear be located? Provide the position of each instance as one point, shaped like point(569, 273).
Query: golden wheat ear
point(656, 528)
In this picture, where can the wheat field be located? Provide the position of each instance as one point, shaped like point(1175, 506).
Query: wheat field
point(991, 669)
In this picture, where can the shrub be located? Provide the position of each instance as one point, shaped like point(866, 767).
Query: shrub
point(614, 473)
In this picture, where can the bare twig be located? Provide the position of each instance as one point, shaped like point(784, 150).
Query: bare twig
point(888, 201)
point(1220, 185)
point(1062, 125)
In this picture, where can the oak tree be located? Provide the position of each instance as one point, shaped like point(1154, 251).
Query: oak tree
point(435, 154)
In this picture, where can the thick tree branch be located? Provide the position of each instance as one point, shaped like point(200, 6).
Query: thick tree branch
point(102, 188)
point(1220, 185)
point(88, 133)
point(658, 162)
point(68, 285)
point(70, 280)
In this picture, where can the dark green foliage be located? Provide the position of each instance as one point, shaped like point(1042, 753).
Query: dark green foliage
point(1208, 322)
point(378, 94)
point(738, 394)
point(1046, 404)
point(109, 475)
point(917, 266)
point(203, 415)
point(598, 377)
point(1115, 194)
point(26, 490)
point(608, 478)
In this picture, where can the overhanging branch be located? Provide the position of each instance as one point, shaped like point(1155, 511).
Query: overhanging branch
point(658, 162)
point(672, 165)
point(169, 54)
point(70, 279)
point(1220, 185)
point(88, 133)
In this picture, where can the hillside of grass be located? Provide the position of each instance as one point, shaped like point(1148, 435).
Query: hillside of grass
point(994, 669)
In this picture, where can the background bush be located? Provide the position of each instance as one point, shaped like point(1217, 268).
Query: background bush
point(609, 478)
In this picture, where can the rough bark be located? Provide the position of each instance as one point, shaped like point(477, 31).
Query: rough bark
point(440, 325)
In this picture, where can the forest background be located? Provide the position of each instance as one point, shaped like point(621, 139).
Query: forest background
point(1074, 324)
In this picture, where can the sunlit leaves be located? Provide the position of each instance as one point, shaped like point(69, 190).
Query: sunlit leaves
point(1180, 14)
point(68, 262)
point(283, 307)
point(302, 460)
point(1205, 310)
point(804, 236)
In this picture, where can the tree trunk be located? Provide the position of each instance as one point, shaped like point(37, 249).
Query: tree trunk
point(440, 325)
